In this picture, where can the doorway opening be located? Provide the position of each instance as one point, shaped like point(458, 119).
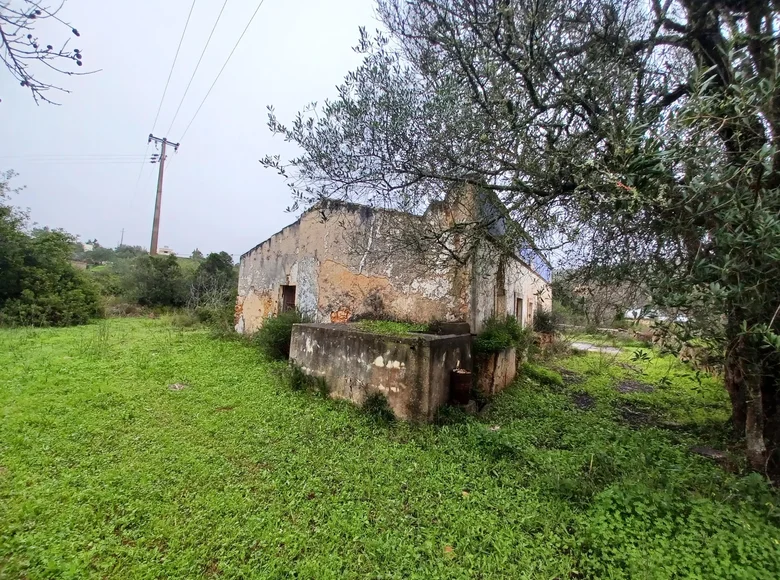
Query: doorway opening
point(288, 298)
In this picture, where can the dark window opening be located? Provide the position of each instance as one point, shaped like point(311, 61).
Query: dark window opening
point(288, 298)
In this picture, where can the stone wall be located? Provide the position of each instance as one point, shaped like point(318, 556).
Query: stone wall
point(344, 266)
point(349, 261)
point(495, 371)
point(524, 291)
point(412, 372)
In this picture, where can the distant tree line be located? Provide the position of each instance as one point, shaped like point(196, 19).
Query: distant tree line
point(40, 286)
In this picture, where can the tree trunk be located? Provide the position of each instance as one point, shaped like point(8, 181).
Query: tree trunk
point(752, 383)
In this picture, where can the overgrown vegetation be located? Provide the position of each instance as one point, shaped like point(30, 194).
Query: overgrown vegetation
point(546, 321)
point(300, 381)
point(645, 136)
point(38, 285)
point(541, 375)
point(112, 432)
point(501, 333)
point(273, 338)
point(390, 327)
point(155, 281)
point(377, 407)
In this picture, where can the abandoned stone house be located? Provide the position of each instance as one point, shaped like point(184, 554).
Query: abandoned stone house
point(341, 262)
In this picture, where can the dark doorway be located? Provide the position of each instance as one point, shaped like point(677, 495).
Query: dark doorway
point(288, 298)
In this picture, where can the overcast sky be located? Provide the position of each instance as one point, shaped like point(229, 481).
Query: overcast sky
point(216, 194)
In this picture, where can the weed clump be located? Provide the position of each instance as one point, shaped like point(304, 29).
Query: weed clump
point(376, 406)
point(390, 327)
point(300, 381)
point(542, 375)
point(297, 379)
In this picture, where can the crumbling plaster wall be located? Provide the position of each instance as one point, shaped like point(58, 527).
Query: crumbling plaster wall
point(519, 282)
point(344, 266)
point(412, 372)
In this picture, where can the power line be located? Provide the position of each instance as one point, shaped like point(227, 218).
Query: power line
point(73, 156)
point(162, 99)
point(89, 161)
point(197, 65)
point(173, 65)
point(222, 69)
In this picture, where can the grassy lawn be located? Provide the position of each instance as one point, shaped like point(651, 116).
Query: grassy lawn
point(107, 472)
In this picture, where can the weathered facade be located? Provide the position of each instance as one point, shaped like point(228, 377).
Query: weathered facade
point(412, 372)
point(341, 262)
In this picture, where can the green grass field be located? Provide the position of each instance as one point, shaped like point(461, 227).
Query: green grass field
point(107, 472)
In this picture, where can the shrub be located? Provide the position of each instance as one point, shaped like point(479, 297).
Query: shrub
point(546, 321)
point(38, 284)
point(220, 319)
point(273, 338)
point(566, 314)
point(500, 334)
point(542, 375)
point(212, 293)
point(77, 303)
point(115, 306)
point(297, 379)
point(156, 281)
point(106, 280)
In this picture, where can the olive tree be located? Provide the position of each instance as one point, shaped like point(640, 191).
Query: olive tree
point(638, 136)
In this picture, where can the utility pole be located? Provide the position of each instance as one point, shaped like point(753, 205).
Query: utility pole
point(121, 238)
point(158, 200)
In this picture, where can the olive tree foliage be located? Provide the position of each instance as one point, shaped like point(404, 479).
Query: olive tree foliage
point(639, 135)
point(26, 55)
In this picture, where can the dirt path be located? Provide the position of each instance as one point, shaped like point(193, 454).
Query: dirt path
point(594, 348)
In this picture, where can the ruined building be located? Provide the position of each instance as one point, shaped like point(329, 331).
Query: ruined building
point(342, 262)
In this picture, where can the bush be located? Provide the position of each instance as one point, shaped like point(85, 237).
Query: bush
point(500, 334)
point(542, 375)
point(566, 314)
point(297, 379)
point(106, 280)
point(273, 338)
point(546, 321)
point(156, 281)
point(38, 284)
point(212, 293)
point(76, 303)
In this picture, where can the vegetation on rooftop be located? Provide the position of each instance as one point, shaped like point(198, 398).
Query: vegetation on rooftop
point(390, 327)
